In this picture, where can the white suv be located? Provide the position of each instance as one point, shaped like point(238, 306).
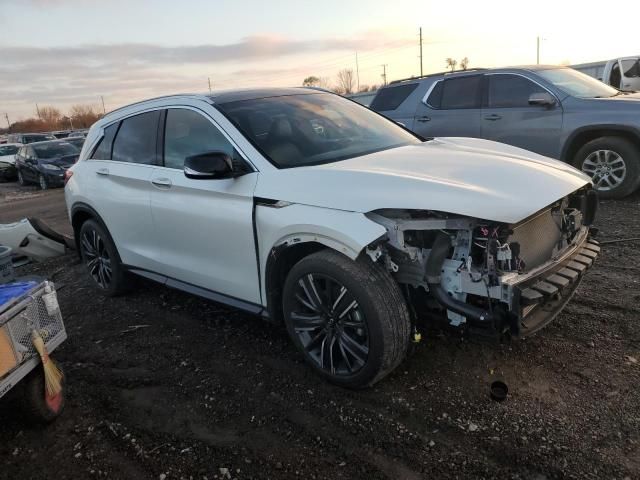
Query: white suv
point(305, 207)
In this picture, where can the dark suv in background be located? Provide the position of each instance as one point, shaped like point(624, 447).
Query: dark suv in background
point(554, 111)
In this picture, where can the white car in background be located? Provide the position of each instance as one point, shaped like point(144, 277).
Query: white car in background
point(304, 207)
point(8, 160)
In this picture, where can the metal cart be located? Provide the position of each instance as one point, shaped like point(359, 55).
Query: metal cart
point(35, 307)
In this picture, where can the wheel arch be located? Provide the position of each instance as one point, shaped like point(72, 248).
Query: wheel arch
point(583, 135)
point(80, 213)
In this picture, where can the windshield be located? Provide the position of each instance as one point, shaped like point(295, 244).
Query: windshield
point(55, 150)
point(8, 150)
point(577, 84)
point(310, 129)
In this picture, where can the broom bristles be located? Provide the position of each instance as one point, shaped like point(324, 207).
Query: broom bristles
point(52, 374)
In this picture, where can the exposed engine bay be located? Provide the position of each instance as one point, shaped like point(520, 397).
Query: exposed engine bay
point(488, 275)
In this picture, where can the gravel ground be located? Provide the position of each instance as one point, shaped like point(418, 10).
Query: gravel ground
point(202, 391)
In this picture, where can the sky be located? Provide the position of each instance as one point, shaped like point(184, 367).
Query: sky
point(67, 52)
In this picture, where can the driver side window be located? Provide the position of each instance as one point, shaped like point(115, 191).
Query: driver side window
point(189, 133)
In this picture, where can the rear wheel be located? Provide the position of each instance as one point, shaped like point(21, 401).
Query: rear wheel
point(38, 406)
point(348, 318)
point(101, 258)
point(613, 163)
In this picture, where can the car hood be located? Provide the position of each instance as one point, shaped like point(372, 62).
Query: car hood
point(8, 159)
point(65, 161)
point(465, 176)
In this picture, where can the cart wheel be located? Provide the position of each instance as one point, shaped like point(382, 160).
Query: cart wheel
point(38, 406)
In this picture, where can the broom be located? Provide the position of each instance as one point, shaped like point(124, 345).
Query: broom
point(52, 375)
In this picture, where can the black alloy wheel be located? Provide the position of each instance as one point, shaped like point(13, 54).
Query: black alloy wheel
point(330, 325)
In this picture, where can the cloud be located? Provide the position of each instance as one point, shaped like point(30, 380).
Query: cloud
point(124, 72)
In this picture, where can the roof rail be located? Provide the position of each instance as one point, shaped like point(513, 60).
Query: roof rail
point(447, 72)
point(192, 95)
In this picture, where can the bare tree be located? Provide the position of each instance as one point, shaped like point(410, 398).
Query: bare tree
point(346, 81)
point(51, 116)
point(451, 63)
point(464, 63)
point(83, 116)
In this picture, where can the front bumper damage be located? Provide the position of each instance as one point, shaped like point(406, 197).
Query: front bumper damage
point(528, 272)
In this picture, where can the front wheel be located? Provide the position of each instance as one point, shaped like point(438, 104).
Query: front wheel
point(21, 179)
point(613, 163)
point(42, 181)
point(348, 318)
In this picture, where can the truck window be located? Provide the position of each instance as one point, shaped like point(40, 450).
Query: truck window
point(631, 67)
point(390, 98)
point(510, 91)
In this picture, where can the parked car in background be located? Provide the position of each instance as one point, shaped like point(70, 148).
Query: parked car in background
point(553, 111)
point(305, 207)
point(44, 163)
point(26, 138)
point(363, 98)
point(8, 160)
point(78, 134)
point(621, 73)
point(75, 141)
point(61, 134)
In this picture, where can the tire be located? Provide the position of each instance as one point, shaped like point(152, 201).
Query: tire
point(613, 163)
point(21, 179)
point(378, 322)
point(37, 407)
point(100, 257)
point(42, 182)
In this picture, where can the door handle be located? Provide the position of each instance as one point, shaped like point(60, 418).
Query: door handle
point(102, 171)
point(424, 118)
point(162, 182)
point(493, 117)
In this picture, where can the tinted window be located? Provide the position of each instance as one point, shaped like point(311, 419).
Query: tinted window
point(435, 97)
point(310, 129)
point(188, 133)
point(8, 150)
point(36, 138)
point(462, 92)
point(511, 91)
point(136, 139)
point(103, 150)
point(54, 149)
point(390, 98)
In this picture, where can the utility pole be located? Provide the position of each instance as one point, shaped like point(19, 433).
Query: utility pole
point(384, 73)
point(421, 51)
point(357, 73)
point(38, 110)
point(538, 50)
point(209, 79)
point(104, 111)
point(6, 115)
point(71, 123)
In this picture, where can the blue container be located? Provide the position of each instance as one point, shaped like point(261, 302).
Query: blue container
point(13, 290)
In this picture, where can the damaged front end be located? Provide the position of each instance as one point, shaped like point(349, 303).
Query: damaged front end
point(489, 276)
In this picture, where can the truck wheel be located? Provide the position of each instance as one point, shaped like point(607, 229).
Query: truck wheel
point(100, 256)
point(348, 318)
point(613, 163)
point(38, 407)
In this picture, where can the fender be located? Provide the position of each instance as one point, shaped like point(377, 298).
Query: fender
point(566, 148)
point(88, 212)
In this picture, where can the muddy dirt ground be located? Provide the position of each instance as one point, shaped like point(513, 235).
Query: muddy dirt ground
point(202, 391)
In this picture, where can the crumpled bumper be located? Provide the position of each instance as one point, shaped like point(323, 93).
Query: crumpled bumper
point(538, 296)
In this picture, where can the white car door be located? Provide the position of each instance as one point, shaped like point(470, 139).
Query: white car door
point(118, 174)
point(630, 74)
point(204, 232)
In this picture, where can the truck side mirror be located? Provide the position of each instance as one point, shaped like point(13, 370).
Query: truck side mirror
point(544, 99)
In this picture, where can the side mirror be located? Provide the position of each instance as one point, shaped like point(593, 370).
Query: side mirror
point(208, 166)
point(544, 99)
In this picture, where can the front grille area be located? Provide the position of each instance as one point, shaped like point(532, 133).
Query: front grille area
point(538, 237)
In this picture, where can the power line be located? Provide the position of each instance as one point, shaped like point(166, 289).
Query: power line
point(384, 73)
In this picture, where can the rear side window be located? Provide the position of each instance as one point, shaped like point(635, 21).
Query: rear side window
point(435, 97)
point(390, 98)
point(510, 91)
point(136, 139)
point(188, 133)
point(462, 92)
point(103, 150)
